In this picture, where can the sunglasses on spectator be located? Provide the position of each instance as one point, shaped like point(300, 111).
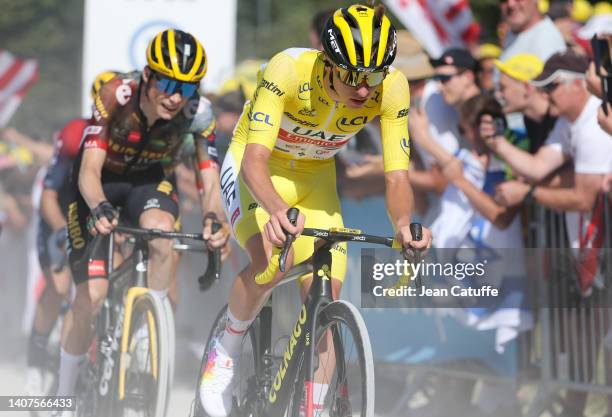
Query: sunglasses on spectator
point(171, 86)
point(357, 78)
point(444, 78)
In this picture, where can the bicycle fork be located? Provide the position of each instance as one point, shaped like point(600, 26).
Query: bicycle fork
point(132, 294)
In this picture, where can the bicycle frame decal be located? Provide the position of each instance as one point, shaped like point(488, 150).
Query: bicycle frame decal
point(129, 306)
point(108, 351)
point(287, 356)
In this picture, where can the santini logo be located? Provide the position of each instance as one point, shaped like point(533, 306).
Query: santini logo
point(269, 85)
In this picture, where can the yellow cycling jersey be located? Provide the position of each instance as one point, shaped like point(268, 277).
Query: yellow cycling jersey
point(292, 115)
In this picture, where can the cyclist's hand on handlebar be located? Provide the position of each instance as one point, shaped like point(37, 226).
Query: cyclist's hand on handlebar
point(278, 224)
point(103, 219)
point(405, 238)
point(218, 239)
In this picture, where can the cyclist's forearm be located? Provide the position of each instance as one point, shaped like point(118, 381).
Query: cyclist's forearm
point(399, 198)
point(90, 186)
point(210, 198)
point(50, 209)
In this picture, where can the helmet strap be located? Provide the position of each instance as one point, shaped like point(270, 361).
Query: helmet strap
point(331, 79)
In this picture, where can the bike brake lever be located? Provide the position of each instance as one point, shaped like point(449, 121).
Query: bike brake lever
point(213, 269)
point(292, 215)
point(416, 230)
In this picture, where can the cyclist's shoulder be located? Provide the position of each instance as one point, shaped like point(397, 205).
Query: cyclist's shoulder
point(116, 94)
point(395, 92)
point(287, 66)
point(69, 138)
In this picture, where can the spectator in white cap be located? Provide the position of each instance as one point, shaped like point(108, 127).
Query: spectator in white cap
point(576, 137)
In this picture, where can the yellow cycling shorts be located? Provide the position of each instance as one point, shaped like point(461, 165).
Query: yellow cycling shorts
point(309, 186)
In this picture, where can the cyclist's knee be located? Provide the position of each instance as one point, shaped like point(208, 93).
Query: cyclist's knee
point(161, 220)
point(62, 283)
point(89, 298)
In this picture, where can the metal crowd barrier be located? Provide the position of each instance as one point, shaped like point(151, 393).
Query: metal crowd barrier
point(571, 329)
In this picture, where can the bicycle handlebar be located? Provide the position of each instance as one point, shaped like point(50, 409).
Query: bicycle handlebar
point(279, 256)
point(213, 269)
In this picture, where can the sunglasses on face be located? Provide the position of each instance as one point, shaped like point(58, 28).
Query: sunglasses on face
point(444, 78)
point(357, 78)
point(549, 88)
point(170, 86)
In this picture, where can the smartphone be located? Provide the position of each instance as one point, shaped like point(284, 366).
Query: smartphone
point(602, 59)
point(601, 55)
point(500, 126)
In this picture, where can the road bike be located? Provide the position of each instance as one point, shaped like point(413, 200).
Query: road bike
point(329, 343)
point(131, 361)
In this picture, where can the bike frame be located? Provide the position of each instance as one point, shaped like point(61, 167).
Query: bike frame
point(300, 342)
point(126, 284)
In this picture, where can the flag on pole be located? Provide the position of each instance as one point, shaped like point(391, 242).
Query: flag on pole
point(437, 24)
point(16, 77)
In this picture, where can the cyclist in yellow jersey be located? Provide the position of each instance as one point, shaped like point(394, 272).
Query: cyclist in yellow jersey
point(307, 106)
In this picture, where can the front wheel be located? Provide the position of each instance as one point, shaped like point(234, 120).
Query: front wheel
point(343, 383)
point(147, 372)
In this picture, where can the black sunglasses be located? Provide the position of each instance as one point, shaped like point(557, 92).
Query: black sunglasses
point(549, 88)
point(444, 78)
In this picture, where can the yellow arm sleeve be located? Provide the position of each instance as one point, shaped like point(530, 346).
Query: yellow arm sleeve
point(276, 87)
point(394, 122)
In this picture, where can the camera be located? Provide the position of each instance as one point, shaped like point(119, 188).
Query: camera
point(500, 126)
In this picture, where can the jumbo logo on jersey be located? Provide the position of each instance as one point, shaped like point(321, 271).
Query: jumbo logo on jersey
point(343, 123)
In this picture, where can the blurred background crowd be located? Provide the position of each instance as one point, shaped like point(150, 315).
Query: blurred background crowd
point(510, 125)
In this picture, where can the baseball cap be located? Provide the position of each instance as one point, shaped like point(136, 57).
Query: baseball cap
point(566, 65)
point(522, 67)
point(456, 57)
point(489, 50)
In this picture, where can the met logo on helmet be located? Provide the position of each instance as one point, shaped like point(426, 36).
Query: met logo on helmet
point(332, 40)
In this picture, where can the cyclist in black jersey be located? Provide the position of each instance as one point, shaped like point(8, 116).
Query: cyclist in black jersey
point(138, 125)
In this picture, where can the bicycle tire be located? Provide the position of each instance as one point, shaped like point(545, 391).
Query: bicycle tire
point(153, 306)
point(242, 401)
point(171, 348)
point(330, 317)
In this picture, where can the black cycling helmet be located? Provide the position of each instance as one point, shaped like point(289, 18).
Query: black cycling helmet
point(360, 38)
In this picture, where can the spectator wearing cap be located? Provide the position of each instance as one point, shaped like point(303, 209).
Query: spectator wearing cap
point(455, 71)
point(519, 96)
point(530, 32)
point(453, 82)
point(576, 136)
point(487, 54)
